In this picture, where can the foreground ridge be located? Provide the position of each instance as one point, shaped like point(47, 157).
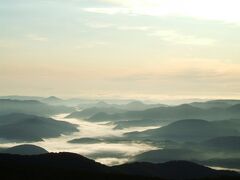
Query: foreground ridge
point(73, 166)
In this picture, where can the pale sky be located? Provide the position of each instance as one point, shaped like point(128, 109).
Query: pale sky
point(120, 48)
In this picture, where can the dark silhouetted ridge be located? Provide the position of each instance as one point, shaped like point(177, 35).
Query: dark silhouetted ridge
point(172, 170)
point(74, 166)
point(25, 149)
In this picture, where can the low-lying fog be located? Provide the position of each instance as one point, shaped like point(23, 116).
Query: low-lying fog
point(104, 152)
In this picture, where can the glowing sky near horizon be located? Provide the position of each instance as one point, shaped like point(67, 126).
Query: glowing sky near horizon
point(120, 48)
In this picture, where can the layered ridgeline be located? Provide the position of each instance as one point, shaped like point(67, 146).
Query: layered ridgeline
point(52, 100)
point(220, 152)
point(34, 107)
point(83, 103)
point(88, 112)
point(106, 108)
point(159, 116)
point(172, 113)
point(215, 104)
point(212, 143)
point(23, 127)
point(74, 166)
point(215, 143)
point(190, 130)
point(132, 105)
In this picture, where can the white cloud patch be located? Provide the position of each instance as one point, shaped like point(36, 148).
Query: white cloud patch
point(134, 28)
point(102, 25)
point(168, 35)
point(224, 10)
point(109, 11)
point(98, 25)
point(36, 37)
point(177, 38)
point(91, 45)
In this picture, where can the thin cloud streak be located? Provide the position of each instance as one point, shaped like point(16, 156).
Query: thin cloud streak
point(225, 10)
point(177, 38)
point(167, 35)
point(36, 37)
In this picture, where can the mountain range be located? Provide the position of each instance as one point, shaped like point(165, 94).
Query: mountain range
point(34, 107)
point(190, 130)
point(165, 115)
point(28, 128)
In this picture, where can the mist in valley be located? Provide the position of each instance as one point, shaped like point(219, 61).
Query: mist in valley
point(125, 134)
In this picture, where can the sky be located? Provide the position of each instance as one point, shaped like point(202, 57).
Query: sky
point(153, 49)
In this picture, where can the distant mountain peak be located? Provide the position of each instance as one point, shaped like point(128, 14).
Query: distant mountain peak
point(185, 106)
point(192, 121)
point(54, 98)
point(136, 103)
point(102, 103)
point(25, 149)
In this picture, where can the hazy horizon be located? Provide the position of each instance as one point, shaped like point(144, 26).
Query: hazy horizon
point(122, 99)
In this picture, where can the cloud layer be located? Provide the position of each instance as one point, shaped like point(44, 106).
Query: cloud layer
point(224, 10)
